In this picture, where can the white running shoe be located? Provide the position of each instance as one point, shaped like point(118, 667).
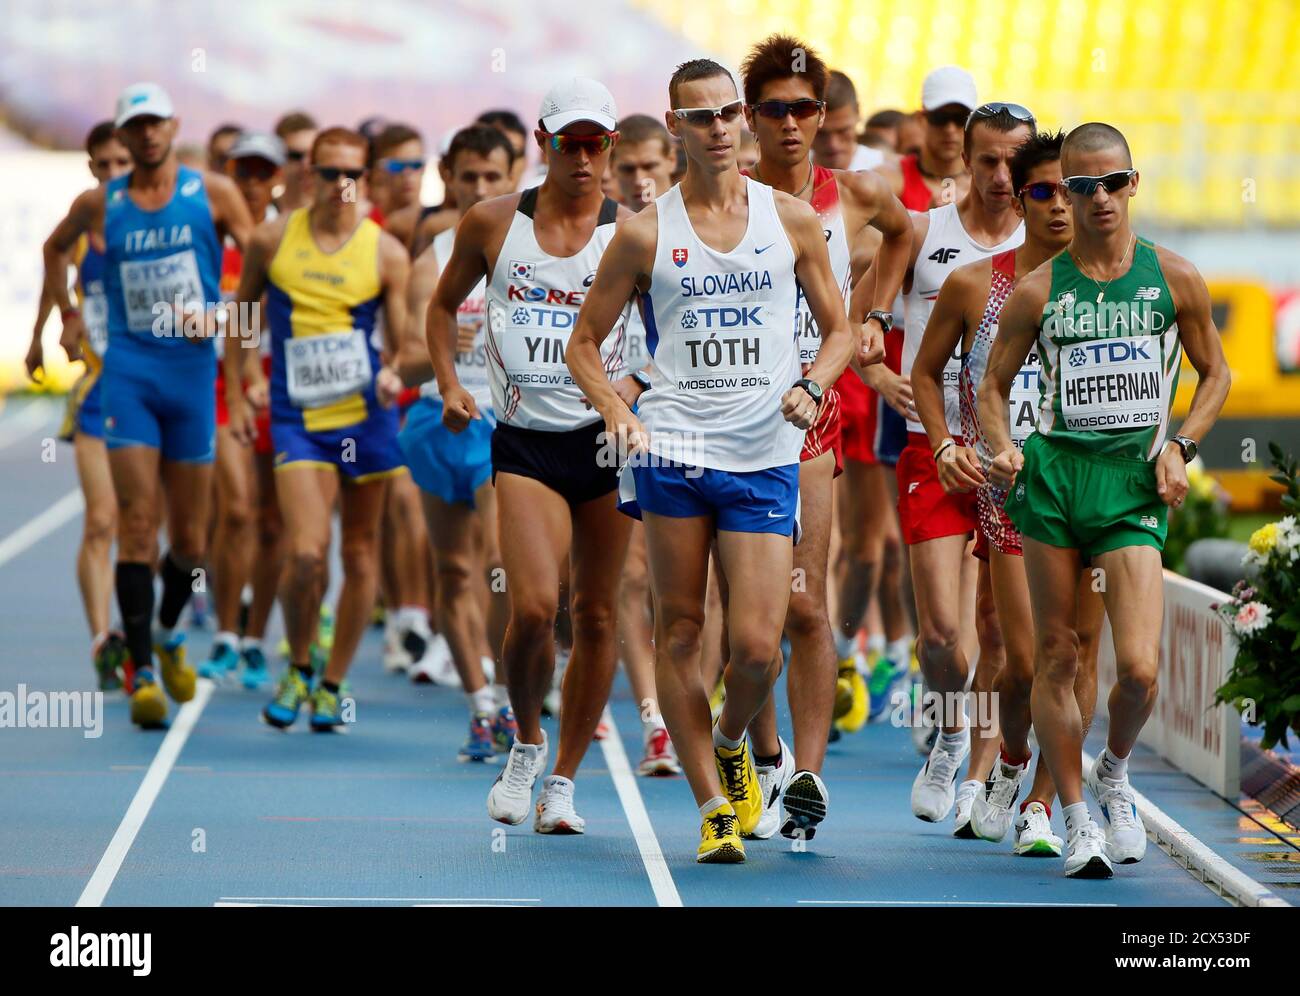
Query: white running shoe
point(396, 657)
point(1034, 837)
point(771, 783)
point(436, 666)
point(659, 757)
point(991, 816)
point(933, 789)
point(1086, 856)
point(1126, 837)
point(804, 800)
point(489, 668)
point(512, 793)
point(555, 812)
point(967, 793)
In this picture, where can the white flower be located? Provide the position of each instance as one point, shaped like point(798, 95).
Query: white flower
point(1288, 539)
point(1251, 618)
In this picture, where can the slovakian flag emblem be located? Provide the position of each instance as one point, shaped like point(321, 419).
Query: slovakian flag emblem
point(679, 256)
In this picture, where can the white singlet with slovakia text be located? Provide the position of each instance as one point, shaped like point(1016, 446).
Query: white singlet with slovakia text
point(946, 247)
point(471, 367)
point(719, 328)
point(532, 303)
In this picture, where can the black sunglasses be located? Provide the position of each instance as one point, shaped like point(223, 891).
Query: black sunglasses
point(1018, 111)
point(941, 117)
point(295, 156)
point(805, 107)
point(1042, 190)
point(1087, 185)
point(331, 174)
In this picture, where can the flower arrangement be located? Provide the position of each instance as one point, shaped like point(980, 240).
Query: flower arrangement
point(1203, 515)
point(1264, 616)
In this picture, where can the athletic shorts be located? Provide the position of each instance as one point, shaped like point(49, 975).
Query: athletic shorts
point(995, 527)
point(85, 411)
point(757, 501)
point(361, 452)
point(925, 510)
point(160, 403)
point(1072, 497)
point(823, 436)
point(873, 432)
point(566, 462)
point(261, 420)
point(451, 465)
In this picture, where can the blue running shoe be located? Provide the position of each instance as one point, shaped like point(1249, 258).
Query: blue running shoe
point(326, 709)
point(223, 660)
point(290, 694)
point(255, 669)
point(479, 744)
point(504, 729)
point(886, 678)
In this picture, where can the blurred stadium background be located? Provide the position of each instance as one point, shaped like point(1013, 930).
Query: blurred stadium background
point(1207, 91)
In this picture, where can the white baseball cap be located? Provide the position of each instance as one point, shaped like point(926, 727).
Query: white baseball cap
point(258, 144)
point(578, 99)
point(142, 98)
point(948, 85)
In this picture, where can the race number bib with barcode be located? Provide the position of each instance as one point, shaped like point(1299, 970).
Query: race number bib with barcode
point(533, 343)
point(94, 315)
point(322, 369)
point(1024, 402)
point(721, 349)
point(147, 283)
point(1112, 384)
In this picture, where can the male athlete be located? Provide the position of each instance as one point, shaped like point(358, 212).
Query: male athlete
point(538, 252)
point(326, 271)
point(163, 224)
point(297, 130)
point(785, 110)
point(716, 440)
point(1110, 317)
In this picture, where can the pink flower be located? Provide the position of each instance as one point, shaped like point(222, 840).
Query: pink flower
point(1251, 618)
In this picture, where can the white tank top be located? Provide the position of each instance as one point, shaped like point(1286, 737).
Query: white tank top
point(532, 303)
point(946, 247)
point(826, 202)
point(720, 332)
point(471, 367)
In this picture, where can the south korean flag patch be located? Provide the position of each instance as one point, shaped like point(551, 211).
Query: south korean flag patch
point(521, 271)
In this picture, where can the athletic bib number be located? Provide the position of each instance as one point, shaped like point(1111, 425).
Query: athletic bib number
point(150, 282)
point(533, 341)
point(325, 368)
point(809, 336)
point(94, 315)
point(1024, 402)
point(721, 350)
point(1112, 384)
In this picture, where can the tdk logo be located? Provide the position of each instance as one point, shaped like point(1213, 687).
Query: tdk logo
point(722, 318)
point(543, 318)
point(1117, 351)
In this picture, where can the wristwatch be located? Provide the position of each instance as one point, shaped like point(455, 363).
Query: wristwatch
point(885, 318)
point(812, 387)
point(642, 378)
point(1187, 445)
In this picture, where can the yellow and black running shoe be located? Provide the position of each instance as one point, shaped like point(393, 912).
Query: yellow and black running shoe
point(720, 841)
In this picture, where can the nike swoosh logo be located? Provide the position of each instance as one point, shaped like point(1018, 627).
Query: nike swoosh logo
point(759, 252)
point(776, 515)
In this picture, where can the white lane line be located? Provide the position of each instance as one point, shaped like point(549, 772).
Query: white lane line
point(34, 530)
point(931, 902)
point(661, 880)
point(136, 813)
point(1217, 873)
point(371, 899)
point(31, 418)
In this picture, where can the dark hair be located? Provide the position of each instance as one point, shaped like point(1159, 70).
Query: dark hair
point(390, 138)
point(1094, 137)
point(338, 135)
point(222, 130)
point(98, 135)
point(293, 122)
point(637, 128)
point(1002, 121)
point(1042, 147)
point(782, 57)
point(482, 140)
point(503, 120)
point(840, 92)
point(886, 119)
point(690, 72)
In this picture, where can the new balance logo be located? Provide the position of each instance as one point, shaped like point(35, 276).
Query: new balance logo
point(1150, 521)
point(943, 255)
point(1147, 294)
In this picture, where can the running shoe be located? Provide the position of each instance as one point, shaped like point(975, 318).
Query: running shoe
point(223, 660)
point(177, 676)
point(602, 731)
point(887, 678)
point(290, 693)
point(659, 757)
point(318, 658)
point(843, 689)
point(478, 745)
point(933, 790)
point(1126, 836)
point(967, 793)
point(504, 729)
point(1086, 853)
point(805, 800)
point(924, 733)
point(716, 698)
point(855, 717)
point(772, 781)
point(511, 796)
point(991, 818)
point(435, 666)
point(200, 616)
point(554, 811)
point(326, 709)
point(720, 841)
point(255, 669)
point(415, 640)
point(740, 784)
point(1034, 837)
point(111, 657)
point(148, 704)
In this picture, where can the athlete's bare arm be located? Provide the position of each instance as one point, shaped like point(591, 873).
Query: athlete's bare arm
point(870, 194)
point(1204, 349)
point(229, 209)
point(85, 215)
point(1018, 326)
point(431, 227)
point(957, 465)
point(402, 223)
point(394, 272)
point(892, 172)
point(240, 358)
point(413, 362)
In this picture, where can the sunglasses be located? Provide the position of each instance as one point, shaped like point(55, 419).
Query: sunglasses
point(1018, 111)
point(331, 174)
point(294, 156)
point(702, 117)
point(1087, 185)
point(941, 118)
point(593, 145)
point(402, 165)
point(803, 108)
point(255, 169)
point(1042, 190)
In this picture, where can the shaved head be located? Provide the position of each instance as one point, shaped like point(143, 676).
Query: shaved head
point(1095, 137)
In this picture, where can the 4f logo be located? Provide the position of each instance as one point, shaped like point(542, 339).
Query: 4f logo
point(680, 256)
point(521, 271)
point(943, 255)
